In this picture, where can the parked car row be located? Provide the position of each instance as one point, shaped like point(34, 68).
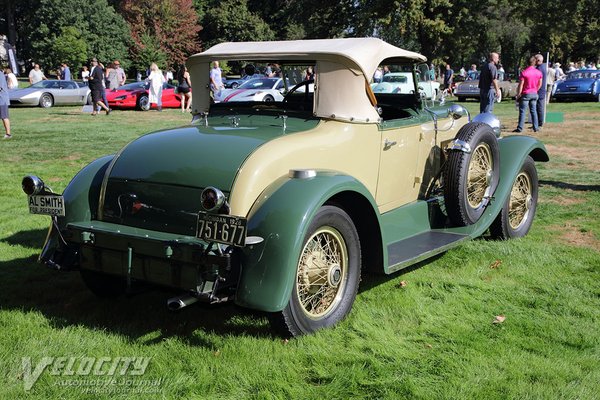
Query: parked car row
point(49, 93)
point(469, 89)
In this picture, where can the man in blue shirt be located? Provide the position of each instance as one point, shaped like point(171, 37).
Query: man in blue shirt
point(488, 84)
point(541, 105)
point(65, 72)
point(4, 102)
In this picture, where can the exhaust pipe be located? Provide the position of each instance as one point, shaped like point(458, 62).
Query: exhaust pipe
point(179, 302)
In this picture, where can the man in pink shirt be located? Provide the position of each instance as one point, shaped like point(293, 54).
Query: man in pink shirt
point(530, 82)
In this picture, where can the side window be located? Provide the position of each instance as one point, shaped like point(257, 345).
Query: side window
point(396, 91)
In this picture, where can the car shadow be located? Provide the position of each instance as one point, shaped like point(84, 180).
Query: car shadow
point(373, 279)
point(27, 286)
point(571, 186)
point(33, 239)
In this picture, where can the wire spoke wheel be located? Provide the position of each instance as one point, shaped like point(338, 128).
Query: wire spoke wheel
point(322, 269)
point(479, 175)
point(520, 201)
point(516, 217)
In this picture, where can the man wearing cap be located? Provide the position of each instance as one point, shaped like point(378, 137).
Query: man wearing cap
point(95, 82)
point(120, 73)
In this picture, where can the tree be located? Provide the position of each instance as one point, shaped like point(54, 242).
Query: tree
point(70, 47)
point(172, 26)
point(233, 21)
point(98, 30)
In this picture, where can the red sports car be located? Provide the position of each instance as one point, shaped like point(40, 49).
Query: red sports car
point(135, 95)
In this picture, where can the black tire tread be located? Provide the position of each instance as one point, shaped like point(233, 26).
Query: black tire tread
point(454, 173)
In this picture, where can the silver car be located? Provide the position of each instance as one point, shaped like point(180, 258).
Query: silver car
point(48, 93)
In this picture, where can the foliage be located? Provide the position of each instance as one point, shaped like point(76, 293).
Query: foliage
point(461, 32)
point(233, 21)
point(70, 47)
point(171, 24)
point(52, 26)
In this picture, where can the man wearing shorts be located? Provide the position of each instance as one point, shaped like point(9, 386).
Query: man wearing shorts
point(95, 82)
point(4, 102)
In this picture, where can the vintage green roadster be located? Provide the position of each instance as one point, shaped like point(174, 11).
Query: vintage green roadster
point(281, 206)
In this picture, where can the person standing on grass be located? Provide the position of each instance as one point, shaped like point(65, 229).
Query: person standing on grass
point(122, 77)
point(36, 74)
point(216, 81)
point(530, 82)
point(4, 103)
point(541, 105)
point(96, 80)
point(489, 90)
point(11, 79)
point(448, 79)
point(156, 80)
point(184, 88)
point(65, 72)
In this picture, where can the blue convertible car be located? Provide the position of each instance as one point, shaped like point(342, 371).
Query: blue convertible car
point(580, 84)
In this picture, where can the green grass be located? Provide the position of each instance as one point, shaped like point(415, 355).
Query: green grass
point(430, 339)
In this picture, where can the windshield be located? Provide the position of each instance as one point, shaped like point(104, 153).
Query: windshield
point(259, 83)
point(584, 75)
point(134, 86)
point(395, 78)
point(47, 84)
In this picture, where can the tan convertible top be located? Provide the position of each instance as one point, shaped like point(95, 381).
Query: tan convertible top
point(364, 53)
point(342, 67)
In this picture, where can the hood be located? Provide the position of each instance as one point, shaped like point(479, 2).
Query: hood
point(15, 94)
point(582, 83)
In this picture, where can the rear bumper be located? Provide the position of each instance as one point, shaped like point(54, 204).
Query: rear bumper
point(171, 260)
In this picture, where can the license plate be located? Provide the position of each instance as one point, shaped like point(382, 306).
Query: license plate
point(47, 204)
point(225, 229)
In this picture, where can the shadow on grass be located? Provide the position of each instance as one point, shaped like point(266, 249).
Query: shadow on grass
point(572, 186)
point(33, 239)
point(371, 280)
point(63, 299)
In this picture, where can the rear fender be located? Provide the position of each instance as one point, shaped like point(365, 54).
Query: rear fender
point(281, 216)
point(81, 202)
point(513, 151)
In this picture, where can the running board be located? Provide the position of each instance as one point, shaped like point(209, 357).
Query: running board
point(420, 247)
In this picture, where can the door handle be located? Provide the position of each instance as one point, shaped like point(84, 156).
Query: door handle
point(388, 144)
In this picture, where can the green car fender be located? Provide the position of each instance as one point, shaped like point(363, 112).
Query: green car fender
point(513, 151)
point(81, 198)
point(281, 217)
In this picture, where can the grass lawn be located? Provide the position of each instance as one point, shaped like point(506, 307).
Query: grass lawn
point(431, 337)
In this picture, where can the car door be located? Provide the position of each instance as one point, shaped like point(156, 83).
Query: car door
point(68, 93)
point(406, 144)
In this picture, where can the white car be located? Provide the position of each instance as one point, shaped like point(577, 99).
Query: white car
point(403, 82)
point(258, 89)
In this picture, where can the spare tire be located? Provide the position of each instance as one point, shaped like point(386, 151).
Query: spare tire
point(471, 174)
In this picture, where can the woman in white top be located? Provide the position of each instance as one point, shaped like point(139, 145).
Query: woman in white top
point(11, 79)
point(156, 80)
point(85, 75)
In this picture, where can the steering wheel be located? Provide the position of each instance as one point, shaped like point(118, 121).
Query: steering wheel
point(296, 87)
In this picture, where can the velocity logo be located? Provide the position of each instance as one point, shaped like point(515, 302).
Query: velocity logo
point(85, 366)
